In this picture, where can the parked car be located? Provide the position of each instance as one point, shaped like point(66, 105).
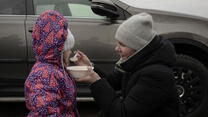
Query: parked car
point(93, 23)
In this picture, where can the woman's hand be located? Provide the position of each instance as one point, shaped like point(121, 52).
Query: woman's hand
point(90, 78)
point(82, 59)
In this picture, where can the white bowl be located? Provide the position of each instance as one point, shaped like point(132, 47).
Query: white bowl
point(78, 71)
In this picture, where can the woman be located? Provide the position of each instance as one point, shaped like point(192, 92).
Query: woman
point(143, 74)
point(49, 89)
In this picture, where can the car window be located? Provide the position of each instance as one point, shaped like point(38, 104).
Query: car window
point(82, 10)
point(42, 8)
point(12, 7)
point(74, 8)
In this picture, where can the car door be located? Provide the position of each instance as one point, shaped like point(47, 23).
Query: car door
point(94, 35)
point(13, 65)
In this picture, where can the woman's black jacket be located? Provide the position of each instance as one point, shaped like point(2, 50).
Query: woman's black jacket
point(146, 83)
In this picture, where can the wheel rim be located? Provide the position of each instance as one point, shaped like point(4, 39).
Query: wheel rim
point(189, 88)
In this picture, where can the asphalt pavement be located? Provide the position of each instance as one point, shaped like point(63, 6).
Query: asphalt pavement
point(18, 109)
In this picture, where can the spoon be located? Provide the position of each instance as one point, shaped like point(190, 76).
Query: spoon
point(74, 58)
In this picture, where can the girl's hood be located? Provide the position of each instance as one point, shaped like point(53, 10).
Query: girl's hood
point(48, 37)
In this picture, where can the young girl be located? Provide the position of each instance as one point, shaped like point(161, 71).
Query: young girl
point(49, 89)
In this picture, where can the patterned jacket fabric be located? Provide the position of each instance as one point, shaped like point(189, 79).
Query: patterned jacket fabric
point(49, 89)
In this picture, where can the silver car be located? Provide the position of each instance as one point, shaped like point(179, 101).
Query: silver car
point(93, 23)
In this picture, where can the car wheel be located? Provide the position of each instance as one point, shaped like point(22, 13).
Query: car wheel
point(191, 81)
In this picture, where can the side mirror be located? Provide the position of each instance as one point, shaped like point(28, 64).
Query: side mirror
point(104, 8)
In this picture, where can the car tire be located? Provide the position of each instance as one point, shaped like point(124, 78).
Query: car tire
point(191, 81)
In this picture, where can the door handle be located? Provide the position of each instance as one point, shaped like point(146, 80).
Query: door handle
point(30, 29)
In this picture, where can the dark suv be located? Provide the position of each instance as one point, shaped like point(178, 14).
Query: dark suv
point(93, 24)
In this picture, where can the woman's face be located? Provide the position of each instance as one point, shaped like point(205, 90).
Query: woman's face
point(66, 56)
point(124, 51)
